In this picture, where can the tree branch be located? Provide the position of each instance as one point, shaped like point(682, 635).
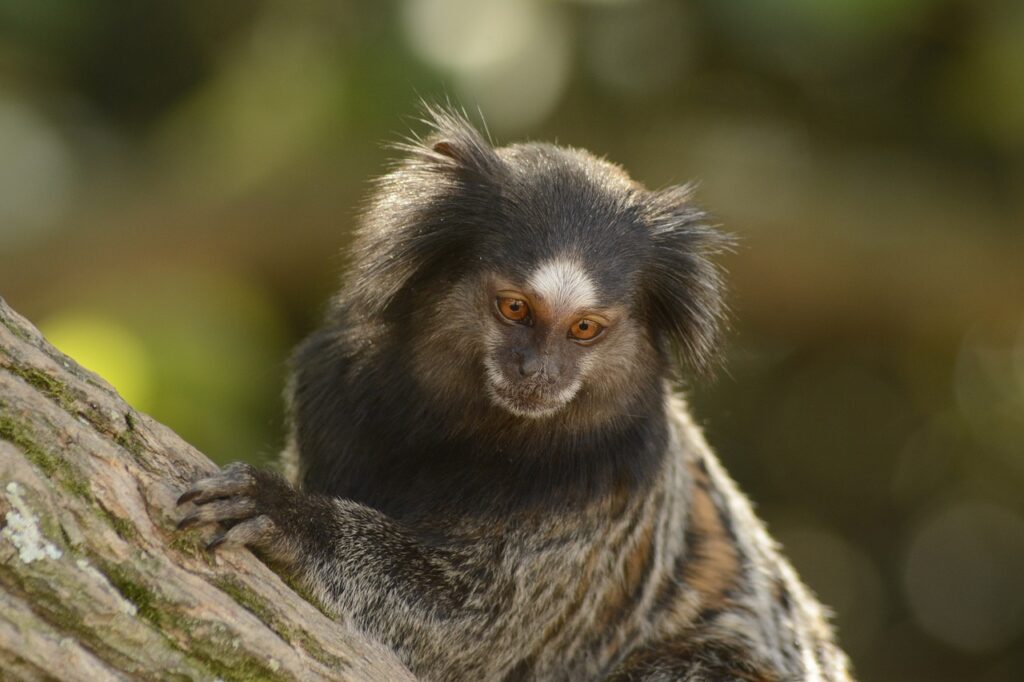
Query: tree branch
point(96, 584)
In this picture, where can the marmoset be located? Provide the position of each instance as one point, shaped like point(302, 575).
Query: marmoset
point(488, 469)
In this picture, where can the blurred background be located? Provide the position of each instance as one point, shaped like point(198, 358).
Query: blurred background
point(178, 181)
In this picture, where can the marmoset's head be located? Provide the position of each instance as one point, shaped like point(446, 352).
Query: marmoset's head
point(535, 278)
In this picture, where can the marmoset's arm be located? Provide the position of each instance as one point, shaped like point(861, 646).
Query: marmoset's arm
point(351, 557)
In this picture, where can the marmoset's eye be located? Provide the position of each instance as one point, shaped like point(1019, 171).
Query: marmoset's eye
point(585, 329)
point(514, 309)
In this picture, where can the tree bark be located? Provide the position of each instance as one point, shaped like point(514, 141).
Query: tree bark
point(95, 582)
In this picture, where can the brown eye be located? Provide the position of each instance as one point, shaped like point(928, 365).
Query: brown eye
point(585, 329)
point(514, 309)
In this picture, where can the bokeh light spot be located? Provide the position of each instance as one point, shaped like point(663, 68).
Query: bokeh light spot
point(469, 35)
point(106, 347)
point(512, 58)
point(36, 173)
point(963, 576)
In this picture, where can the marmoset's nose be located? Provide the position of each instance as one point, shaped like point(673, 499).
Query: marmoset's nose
point(530, 364)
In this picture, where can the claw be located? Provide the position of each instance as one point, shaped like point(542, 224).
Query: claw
point(189, 495)
point(232, 480)
point(229, 498)
point(188, 521)
point(249, 533)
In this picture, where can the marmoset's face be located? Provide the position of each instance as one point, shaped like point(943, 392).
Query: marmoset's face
point(549, 287)
point(533, 341)
point(550, 336)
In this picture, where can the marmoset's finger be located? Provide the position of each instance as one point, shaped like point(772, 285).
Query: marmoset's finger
point(234, 479)
point(249, 532)
point(220, 510)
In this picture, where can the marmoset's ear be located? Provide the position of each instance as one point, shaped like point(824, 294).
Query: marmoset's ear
point(453, 143)
point(427, 213)
point(684, 288)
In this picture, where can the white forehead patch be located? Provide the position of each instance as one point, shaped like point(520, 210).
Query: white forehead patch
point(563, 285)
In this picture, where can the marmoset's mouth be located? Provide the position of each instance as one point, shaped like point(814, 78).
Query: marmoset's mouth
point(530, 401)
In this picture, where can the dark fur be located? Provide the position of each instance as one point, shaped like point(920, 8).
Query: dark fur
point(601, 541)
